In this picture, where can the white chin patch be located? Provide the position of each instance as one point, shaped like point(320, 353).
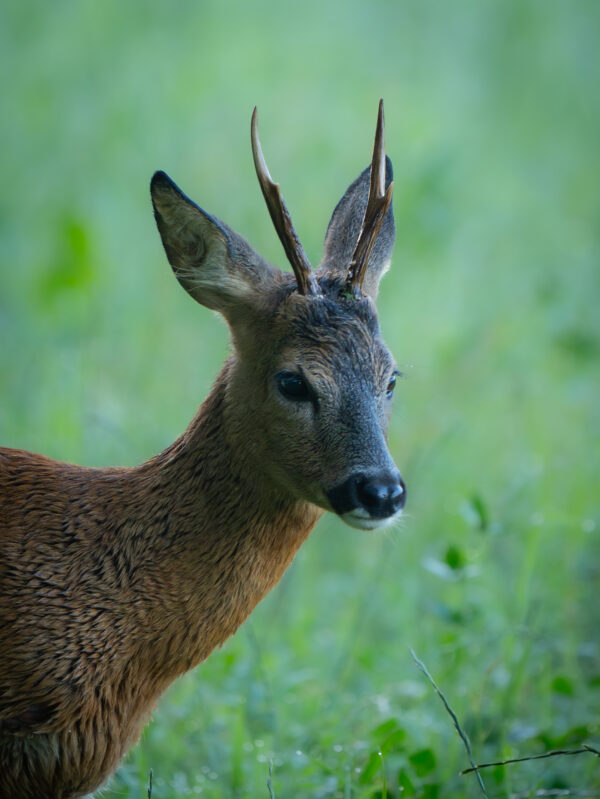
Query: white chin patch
point(360, 519)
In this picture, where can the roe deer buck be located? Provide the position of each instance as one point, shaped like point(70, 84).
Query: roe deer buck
point(113, 582)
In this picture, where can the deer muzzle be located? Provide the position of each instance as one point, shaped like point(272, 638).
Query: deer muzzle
point(368, 501)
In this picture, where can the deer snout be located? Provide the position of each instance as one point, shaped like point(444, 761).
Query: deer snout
point(367, 501)
point(382, 497)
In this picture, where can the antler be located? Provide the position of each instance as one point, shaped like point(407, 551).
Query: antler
point(281, 218)
point(377, 206)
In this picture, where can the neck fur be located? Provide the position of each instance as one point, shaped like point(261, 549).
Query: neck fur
point(228, 534)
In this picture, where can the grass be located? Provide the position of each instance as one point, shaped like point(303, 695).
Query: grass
point(491, 308)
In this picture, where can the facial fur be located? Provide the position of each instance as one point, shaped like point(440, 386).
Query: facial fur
point(333, 342)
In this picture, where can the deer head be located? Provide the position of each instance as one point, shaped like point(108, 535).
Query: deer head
point(310, 382)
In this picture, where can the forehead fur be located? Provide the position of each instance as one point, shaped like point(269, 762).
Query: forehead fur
point(330, 318)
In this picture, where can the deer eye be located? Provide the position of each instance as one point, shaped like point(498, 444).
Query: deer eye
point(389, 392)
point(293, 386)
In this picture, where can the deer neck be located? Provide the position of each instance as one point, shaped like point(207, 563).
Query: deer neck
point(226, 532)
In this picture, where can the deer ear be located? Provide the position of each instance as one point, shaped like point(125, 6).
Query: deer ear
point(344, 229)
point(216, 266)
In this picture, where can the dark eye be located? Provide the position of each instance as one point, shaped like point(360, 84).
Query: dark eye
point(293, 386)
point(391, 386)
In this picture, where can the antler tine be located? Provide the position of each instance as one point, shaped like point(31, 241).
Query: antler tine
point(377, 206)
point(281, 217)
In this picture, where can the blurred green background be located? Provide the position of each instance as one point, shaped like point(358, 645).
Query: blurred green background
point(491, 308)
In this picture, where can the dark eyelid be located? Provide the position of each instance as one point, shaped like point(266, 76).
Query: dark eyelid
point(391, 384)
point(311, 392)
point(299, 371)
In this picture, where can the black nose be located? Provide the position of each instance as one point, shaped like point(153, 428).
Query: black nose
point(381, 496)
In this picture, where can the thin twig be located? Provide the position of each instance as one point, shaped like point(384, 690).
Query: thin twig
point(150, 785)
point(553, 753)
point(553, 792)
point(270, 781)
point(454, 718)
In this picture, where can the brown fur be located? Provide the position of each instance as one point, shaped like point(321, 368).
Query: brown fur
point(113, 582)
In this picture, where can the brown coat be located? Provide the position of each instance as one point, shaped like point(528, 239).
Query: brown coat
point(113, 582)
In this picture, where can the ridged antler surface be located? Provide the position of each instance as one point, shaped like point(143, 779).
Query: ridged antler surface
point(377, 206)
point(281, 217)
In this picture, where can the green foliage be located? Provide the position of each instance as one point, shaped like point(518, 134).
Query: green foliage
point(423, 762)
point(491, 307)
